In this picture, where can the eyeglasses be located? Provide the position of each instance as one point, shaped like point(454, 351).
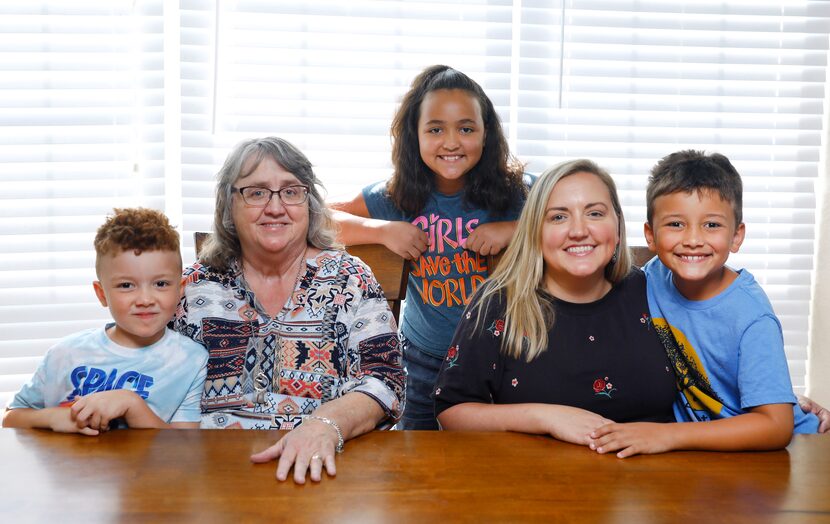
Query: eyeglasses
point(261, 196)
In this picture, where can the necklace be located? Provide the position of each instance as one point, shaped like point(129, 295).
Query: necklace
point(260, 382)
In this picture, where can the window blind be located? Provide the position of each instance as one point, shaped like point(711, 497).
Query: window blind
point(80, 133)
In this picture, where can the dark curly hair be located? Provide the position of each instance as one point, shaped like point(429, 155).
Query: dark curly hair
point(137, 229)
point(492, 184)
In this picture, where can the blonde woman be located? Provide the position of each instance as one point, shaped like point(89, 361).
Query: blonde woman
point(559, 340)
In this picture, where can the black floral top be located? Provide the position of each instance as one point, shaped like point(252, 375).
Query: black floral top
point(604, 357)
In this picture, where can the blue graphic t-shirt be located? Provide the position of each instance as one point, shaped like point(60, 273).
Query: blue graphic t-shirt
point(169, 375)
point(445, 276)
point(728, 351)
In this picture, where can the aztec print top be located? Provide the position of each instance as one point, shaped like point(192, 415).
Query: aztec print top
point(336, 335)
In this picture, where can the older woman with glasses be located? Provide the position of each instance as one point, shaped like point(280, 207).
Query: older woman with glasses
point(298, 332)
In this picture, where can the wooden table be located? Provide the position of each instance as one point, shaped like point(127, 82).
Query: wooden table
point(401, 476)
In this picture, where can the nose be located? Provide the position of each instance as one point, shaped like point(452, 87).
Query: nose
point(145, 297)
point(275, 205)
point(577, 229)
point(692, 237)
point(451, 141)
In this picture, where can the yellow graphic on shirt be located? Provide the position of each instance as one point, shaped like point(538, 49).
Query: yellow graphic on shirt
point(692, 380)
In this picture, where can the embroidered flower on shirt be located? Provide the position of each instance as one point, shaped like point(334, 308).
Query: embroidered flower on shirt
point(496, 327)
point(603, 387)
point(467, 316)
point(514, 382)
point(437, 391)
point(452, 356)
point(645, 319)
point(591, 338)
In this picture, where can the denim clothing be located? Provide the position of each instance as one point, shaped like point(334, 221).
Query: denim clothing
point(421, 372)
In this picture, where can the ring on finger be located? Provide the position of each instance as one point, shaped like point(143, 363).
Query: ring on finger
point(316, 456)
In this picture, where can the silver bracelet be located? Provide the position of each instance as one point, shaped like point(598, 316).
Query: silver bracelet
point(333, 424)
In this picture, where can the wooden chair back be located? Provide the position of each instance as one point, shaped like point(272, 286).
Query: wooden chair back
point(639, 254)
point(390, 269)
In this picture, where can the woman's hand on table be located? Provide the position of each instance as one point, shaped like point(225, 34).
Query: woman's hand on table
point(307, 449)
point(570, 424)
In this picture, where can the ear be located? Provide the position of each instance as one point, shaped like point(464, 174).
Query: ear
point(99, 292)
point(649, 234)
point(738, 238)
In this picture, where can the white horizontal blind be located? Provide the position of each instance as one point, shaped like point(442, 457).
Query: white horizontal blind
point(80, 124)
point(326, 75)
point(639, 80)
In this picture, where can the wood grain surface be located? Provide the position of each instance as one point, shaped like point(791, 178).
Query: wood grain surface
point(400, 476)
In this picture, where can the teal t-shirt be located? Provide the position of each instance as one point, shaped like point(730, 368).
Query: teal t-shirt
point(445, 277)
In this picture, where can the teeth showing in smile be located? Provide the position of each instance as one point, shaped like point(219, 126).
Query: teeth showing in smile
point(580, 249)
point(692, 258)
point(452, 158)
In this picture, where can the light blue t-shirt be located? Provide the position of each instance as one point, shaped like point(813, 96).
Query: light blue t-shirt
point(445, 276)
point(169, 375)
point(728, 351)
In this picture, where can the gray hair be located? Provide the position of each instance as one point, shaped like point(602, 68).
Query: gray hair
point(223, 246)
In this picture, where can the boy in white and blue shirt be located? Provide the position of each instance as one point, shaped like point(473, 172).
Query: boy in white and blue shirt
point(134, 371)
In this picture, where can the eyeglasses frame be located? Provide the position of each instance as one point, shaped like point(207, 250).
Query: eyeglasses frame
point(277, 192)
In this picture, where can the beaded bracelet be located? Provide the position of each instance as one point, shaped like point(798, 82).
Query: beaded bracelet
point(333, 424)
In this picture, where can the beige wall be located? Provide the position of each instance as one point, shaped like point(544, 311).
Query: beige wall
point(818, 363)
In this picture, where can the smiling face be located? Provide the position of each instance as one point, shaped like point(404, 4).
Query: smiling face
point(579, 237)
point(450, 136)
point(141, 292)
point(269, 230)
point(693, 234)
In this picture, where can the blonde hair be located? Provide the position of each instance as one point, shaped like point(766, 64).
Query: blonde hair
point(518, 279)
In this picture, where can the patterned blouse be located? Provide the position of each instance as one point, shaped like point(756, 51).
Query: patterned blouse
point(336, 335)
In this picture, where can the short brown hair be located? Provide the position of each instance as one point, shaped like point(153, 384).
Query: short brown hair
point(139, 229)
point(694, 171)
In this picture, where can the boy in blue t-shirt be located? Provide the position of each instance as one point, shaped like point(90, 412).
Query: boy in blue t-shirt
point(134, 370)
point(716, 323)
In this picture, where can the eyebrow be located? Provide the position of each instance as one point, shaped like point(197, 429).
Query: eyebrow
point(133, 277)
point(587, 206)
point(681, 215)
point(462, 121)
point(280, 184)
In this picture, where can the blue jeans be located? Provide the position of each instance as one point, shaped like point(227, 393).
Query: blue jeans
point(421, 372)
